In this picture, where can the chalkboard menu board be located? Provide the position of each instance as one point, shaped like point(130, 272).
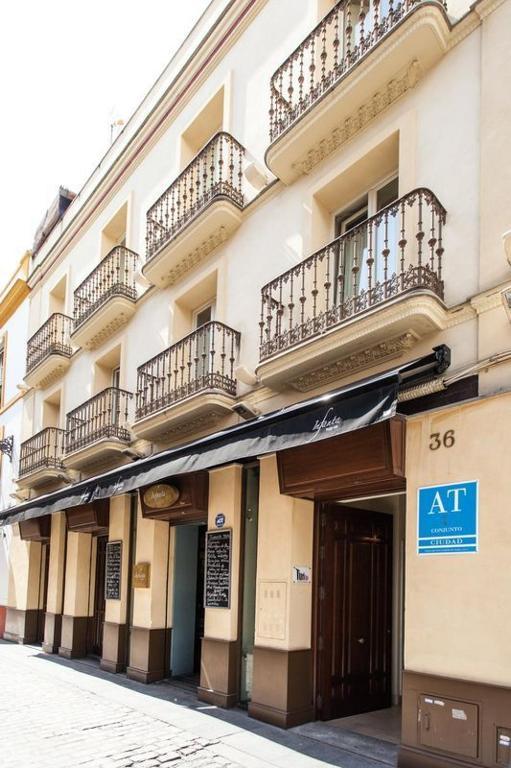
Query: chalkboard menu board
point(217, 593)
point(113, 570)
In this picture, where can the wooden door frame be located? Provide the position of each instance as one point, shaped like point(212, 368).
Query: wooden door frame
point(315, 623)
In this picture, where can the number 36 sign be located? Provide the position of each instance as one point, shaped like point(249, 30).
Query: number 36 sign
point(447, 519)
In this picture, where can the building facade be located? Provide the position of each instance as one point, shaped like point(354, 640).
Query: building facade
point(268, 372)
point(13, 338)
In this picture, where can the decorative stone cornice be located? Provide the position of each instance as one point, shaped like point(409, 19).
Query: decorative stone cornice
point(205, 420)
point(107, 331)
point(483, 8)
point(491, 299)
point(367, 112)
point(366, 358)
point(197, 255)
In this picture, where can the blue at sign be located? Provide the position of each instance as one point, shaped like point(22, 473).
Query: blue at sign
point(447, 519)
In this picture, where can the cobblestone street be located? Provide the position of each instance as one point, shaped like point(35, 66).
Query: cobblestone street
point(63, 714)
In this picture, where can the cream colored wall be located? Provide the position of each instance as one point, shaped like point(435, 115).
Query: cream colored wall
point(57, 562)
point(288, 223)
point(119, 530)
point(152, 607)
point(225, 489)
point(285, 538)
point(495, 157)
point(80, 574)
point(457, 619)
point(23, 590)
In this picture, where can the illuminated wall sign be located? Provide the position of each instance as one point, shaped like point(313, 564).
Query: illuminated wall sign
point(447, 519)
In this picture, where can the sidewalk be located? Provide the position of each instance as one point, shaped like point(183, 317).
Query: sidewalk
point(62, 714)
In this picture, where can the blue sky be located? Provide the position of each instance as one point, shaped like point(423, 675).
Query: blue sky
point(66, 76)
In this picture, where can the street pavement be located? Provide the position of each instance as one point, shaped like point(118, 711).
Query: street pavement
point(63, 714)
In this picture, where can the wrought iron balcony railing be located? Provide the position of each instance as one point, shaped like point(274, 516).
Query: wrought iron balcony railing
point(106, 415)
point(216, 172)
point(52, 338)
point(348, 32)
point(42, 451)
point(397, 250)
point(114, 276)
point(203, 360)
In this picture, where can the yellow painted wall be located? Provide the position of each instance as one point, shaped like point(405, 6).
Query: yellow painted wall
point(286, 528)
point(225, 486)
point(119, 530)
point(79, 563)
point(56, 566)
point(154, 545)
point(457, 617)
point(24, 572)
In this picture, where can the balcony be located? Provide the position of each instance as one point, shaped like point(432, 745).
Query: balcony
point(360, 58)
point(200, 210)
point(188, 386)
point(105, 301)
point(49, 351)
point(364, 298)
point(97, 432)
point(41, 458)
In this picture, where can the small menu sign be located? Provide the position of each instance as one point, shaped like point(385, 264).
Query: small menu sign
point(113, 570)
point(217, 592)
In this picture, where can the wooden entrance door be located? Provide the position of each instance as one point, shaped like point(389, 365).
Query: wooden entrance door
point(98, 619)
point(354, 611)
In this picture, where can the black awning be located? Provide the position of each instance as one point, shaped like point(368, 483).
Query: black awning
point(355, 406)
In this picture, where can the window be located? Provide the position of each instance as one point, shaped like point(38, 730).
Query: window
point(116, 377)
point(209, 121)
point(203, 315)
point(51, 410)
point(57, 297)
point(115, 231)
point(356, 271)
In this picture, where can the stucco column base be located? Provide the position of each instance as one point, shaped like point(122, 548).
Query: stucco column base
point(474, 717)
point(115, 638)
point(52, 632)
point(149, 654)
point(282, 687)
point(21, 626)
point(220, 672)
point(74, 637)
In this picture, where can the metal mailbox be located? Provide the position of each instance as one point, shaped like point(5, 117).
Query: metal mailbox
point(504, 746)
point(449, 726)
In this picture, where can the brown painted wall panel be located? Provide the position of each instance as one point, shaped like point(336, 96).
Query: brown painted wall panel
point(282, 686)
point(191, 506)
point(449, 722)
point(220, 672)
point(89, 518)
point(36, 529)
point(372, 458)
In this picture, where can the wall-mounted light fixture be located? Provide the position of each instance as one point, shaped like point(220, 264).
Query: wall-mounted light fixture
point(7, 445)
